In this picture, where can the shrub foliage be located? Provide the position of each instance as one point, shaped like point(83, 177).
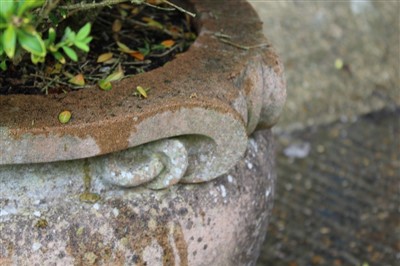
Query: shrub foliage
point(19, 21)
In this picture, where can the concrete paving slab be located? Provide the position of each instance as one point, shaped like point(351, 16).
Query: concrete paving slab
point(338, 188)
point(310, 36)
point(338, 200)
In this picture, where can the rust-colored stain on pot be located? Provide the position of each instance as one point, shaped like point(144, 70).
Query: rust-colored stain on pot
point(103, 122)
point(218, 222)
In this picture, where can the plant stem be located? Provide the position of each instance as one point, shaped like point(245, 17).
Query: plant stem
point(243, 47)
point(227, 39)
point(85, 6)
point(158, 7)
point(179, 8)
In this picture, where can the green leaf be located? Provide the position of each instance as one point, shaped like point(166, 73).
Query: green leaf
point(37, 59)
point(142, 91)
point(32, 42)
point(82, 46)
point(10, 41)
point(105, 85)
point(84, 32)
point(158, 47)
point(146, 49)
point(78, 80)
point(67, 32)
point(3, 65)
point(116, 75)
point(64, 117)
point(124, 48)
point(69, 35)
point(52, 35)
point(60, 58)
point(3, 25)
point(63, 12)
point(87, 40)
point(152, 23)
point(54, 19)
point(7, 9)
point(26, 5)
point(71, 53)
point(29, 29)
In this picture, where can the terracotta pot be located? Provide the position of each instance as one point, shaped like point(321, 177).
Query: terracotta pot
point(173, 179)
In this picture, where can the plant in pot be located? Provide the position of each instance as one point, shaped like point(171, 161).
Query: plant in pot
point(109, 164)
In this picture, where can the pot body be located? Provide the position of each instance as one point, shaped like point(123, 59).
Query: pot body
point(44, 220)
point(178, 178)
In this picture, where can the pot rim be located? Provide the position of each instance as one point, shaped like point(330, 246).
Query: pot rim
point(207, 78)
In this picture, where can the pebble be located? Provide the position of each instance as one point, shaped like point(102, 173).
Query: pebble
point(298, 150)
point(36, 246)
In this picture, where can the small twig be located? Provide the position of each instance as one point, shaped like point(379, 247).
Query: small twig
point(94, 77)
point(50, 82)
point(59, 82)
point(244, 47)
point(179, 8)
point(165, 53)
point(85, 6)
point(226, 39)
point(50, 79)
point(138, 63)
point(159, 7)
point(46, 9)
point(83, 65)
point(222, 35)
point(145, 25)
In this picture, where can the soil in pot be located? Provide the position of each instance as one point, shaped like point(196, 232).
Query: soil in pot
point(127, 39)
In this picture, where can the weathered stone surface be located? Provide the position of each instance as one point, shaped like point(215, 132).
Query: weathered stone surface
point(310, 36)
point(222, 222)
point(78, 194)
point(214, 89)
point(163, 163)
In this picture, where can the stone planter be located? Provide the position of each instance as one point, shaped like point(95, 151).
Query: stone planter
point(174, 179)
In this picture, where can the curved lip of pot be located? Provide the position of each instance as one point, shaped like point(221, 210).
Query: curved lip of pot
point(203, 81)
